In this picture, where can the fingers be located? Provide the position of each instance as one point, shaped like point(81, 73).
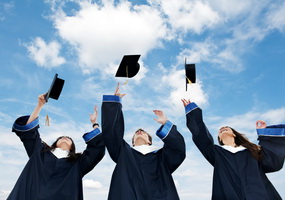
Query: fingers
point(41, 99)
point(158, 112)
point(117, 89)
point(117, 92)
point(260, 124)
point(185, 102)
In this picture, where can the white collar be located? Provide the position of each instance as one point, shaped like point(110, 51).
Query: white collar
point(234, 149)
point(60, 153)
point(145, 149)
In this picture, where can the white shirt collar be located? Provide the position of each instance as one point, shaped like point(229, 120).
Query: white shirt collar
point(233, 149)
point(60, 153)
point(145, 149)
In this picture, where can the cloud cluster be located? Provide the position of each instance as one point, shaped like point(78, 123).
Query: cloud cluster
point(5, 9)
point(45, 54)
point(100, 33)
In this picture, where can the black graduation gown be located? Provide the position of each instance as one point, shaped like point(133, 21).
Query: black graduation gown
point(45, 177)
point(137, 176)
point(238, 176)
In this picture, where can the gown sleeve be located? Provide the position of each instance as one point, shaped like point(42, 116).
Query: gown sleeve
point(113, 125)
point(174, 148)
point(200, 134)
point(28, 133)
point(94, 151)
point(272, 141)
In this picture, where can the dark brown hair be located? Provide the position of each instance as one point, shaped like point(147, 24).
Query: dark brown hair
point(149, 136)
point(72, 156)
point(242, 140)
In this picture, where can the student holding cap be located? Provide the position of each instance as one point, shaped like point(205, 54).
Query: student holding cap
point(54, 172)
point(240, 166)
point(142, 171)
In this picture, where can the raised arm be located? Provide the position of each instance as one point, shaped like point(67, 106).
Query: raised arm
point(200, 134)
point(272, 141)
point(38, 108)
point(174, 148)
point(95, 149)
point(26, 127)
point(113, 123)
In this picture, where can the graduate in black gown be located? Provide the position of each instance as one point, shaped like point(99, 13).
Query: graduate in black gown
point(54, 172)
point(240, 166)
point(142, 172)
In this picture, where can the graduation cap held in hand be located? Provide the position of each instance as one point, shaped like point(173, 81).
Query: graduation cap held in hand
point(129, 66)
point(55, 88)
point(190, 71)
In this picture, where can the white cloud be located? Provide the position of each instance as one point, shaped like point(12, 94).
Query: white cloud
point(45, 54)
point(90, 184)
point(275, 17)
point(177, 82)
point(234, 9)
point(5, 8)
point(193, 16)
point(275, 116)
point(199, 51)
point(102, 34)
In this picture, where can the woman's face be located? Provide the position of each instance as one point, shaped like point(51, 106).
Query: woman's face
point(225, 131)
point(64, 142)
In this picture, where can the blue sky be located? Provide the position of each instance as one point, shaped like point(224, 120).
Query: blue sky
point(237, 46)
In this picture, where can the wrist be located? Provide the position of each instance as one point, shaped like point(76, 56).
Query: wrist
point(164, 121)
point(95, 125)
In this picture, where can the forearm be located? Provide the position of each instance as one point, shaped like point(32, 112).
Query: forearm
point(35, 113)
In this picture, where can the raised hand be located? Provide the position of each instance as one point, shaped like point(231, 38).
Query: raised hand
point(117, 92)
point(161, 117)
point(93, 117)
point(260, 124)
point(185, 102)
point(38, 108)
point(41, 100)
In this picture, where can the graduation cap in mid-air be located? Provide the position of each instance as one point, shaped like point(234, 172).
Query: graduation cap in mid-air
point(190, 72)
point(129, 66)
point(55, 88)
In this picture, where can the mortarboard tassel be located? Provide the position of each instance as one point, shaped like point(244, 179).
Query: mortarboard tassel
point(47, 120)
point(190, 82)
point(126, 82)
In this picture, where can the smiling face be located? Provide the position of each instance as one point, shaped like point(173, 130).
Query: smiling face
point(141, 137)
point(64, 142)
point(224, 132)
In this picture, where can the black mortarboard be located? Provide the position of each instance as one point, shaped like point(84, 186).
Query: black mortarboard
point(190, 71)
point(55, 88)
point(129, 66)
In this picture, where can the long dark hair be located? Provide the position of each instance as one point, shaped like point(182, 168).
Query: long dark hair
point(242, 140)
point(72, 156)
